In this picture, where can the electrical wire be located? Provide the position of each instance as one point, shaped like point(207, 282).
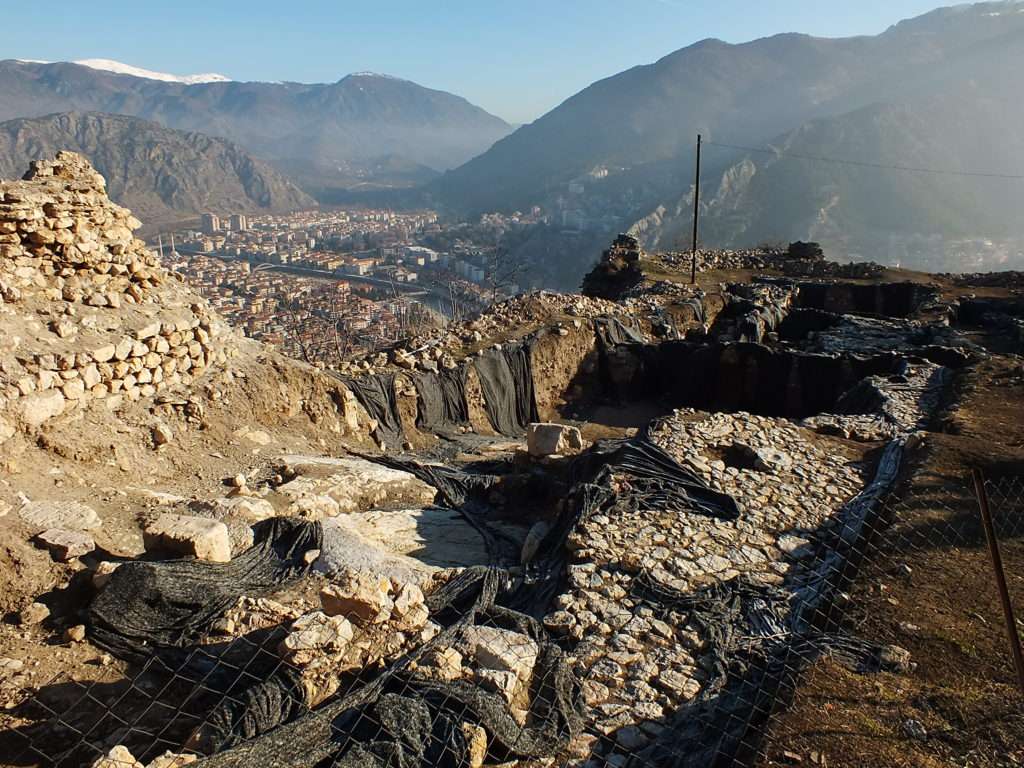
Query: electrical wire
point(863, 164)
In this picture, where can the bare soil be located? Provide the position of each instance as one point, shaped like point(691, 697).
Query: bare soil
point(930, 589)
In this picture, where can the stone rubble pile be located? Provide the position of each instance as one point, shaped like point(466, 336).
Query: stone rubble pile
point(514, 318)
point(637, 668)
point(707, 260)
point(760, 259)
point(858, 270)
point(364, 621)
point(1008, 279)
point(91, 313)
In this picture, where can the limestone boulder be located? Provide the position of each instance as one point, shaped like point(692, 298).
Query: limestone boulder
point(553, 440)
point(39, 408)
point(118, 757)
point(66, 545)
point(500, 650)
point(361, 597)
point(316, 635)
point(352, 484)
point(197, 537)
point(64, 515)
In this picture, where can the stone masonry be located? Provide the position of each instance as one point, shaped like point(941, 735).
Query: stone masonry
point(94, 315)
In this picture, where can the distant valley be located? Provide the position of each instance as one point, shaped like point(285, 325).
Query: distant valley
point(935, 93)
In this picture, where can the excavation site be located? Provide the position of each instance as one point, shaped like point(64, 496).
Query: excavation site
point(726, 523)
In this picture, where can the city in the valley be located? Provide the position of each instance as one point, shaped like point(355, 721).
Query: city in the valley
point(325, 284)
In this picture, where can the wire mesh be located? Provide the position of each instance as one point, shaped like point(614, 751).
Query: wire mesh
point(875, 637)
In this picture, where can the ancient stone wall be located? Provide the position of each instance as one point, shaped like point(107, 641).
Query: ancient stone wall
point(92, 314)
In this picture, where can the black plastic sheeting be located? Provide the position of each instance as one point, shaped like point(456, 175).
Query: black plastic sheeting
point(441, 399)
point(147, 606)
point(506, 378)
point(610, 332)
point(376, 393)
point(738, 377)
point(401, 719)
point(657, 479)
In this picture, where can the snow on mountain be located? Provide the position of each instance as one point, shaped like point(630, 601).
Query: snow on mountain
point(117, 67)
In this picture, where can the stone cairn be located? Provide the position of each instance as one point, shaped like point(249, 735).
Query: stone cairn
point(92, 314)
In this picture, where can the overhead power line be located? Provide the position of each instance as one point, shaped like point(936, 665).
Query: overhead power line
point(863, 164)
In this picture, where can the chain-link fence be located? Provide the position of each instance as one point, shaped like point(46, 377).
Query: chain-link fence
point(877, 638)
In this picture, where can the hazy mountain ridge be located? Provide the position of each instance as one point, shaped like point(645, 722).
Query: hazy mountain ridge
point(341, 129)
point(160, 173)
point(641, 126)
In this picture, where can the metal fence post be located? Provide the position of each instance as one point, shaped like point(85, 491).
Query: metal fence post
point(997, 565)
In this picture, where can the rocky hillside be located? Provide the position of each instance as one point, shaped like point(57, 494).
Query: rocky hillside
point(782, 196)
point(203, 557)
point(162, 174)
point(361, 128)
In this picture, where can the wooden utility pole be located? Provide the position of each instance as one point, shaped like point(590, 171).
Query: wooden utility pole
point(696, 211)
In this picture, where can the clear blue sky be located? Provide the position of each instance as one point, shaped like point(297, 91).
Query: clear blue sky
point(516, 59)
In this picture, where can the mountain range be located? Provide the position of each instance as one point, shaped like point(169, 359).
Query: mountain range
point(365, 129)
point(161, 174)
point(938, 91)
point(856, 142)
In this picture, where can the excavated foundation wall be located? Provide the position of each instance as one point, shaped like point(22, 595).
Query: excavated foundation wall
point(737, 377)
point(565, 367)
point(890, 299)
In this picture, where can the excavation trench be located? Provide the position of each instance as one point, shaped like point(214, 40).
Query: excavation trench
point(253, 711)
point(738, 377)
point(882, 299)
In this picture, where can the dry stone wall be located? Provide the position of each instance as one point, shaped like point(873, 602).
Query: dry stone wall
point(92, 314)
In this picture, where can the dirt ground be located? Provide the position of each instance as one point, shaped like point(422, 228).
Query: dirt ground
point(930, 589)
point(110, 462)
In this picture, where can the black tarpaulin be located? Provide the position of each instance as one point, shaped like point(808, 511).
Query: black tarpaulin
point(506, 378)
point(174, 603)
point(441, 399)
point(611, 332)
point(658, 480)
point(376, 393)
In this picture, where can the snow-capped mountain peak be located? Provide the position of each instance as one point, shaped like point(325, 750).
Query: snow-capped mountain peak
point(117, 67)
